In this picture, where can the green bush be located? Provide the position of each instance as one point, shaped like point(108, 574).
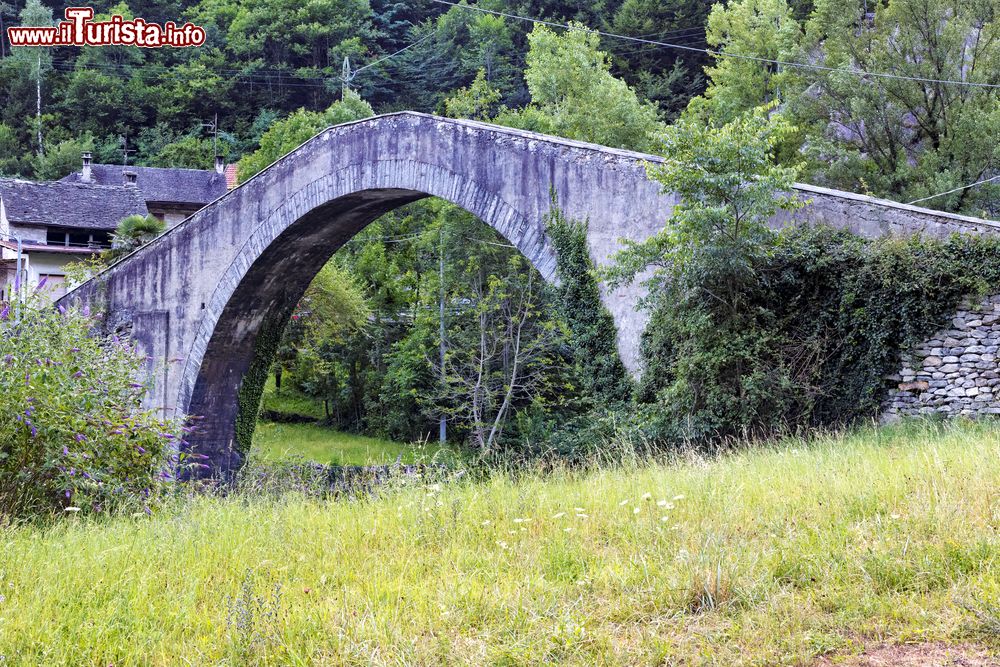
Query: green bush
point(822, 323)
point(755, 332)
point(72, 433)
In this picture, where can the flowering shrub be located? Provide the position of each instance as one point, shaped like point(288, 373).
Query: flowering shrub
point(73, 435)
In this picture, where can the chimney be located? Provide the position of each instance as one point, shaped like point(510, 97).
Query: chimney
point(130, 177)
point(220, 165)
point(85, 175)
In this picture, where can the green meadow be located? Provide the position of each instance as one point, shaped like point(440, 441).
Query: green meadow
point(771, 555)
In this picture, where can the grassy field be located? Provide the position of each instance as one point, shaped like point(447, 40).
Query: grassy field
point(290, 402)
point(277, 442)
point(776, 556)
point(315, 442)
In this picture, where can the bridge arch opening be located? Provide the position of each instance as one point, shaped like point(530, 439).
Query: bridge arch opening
point(243, 322)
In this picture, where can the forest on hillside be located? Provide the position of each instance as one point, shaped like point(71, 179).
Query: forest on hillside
point(904, 138)
point(414, 320)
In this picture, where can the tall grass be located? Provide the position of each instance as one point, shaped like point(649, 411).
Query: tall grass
point(763, 557)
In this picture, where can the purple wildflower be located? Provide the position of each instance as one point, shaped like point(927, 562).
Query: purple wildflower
point(80, 437)
point(65, 450)
point(5, 313)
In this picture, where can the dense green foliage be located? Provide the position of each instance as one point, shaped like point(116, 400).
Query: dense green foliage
point(821, 325)
point(263, 61)
point(756, 331)
point(72, 434)
point(916, 133)
point(573, 94)
point(366, 342)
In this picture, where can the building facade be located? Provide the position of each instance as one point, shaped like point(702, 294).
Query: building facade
point(46, 226)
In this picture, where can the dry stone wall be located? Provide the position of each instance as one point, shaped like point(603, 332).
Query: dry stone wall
point(955, 372)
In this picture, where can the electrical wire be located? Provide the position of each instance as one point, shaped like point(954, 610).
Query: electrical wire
point(948, 192)
point(682, 47)
point(384, 58)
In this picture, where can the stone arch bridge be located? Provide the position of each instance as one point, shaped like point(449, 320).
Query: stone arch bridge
point(210, 296)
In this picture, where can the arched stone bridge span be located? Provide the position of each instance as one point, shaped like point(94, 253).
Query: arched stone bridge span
point(212, 295)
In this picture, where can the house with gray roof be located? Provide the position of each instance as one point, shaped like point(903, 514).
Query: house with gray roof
point(45, 226)
point(170, 194)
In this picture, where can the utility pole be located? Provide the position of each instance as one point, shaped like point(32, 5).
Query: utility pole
point(443, 424)
point(214, 125)
point(125, 151)
point(345, 77)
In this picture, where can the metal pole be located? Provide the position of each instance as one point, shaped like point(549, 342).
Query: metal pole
point(17, 277)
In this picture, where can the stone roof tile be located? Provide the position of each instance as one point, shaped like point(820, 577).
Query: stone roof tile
point(163, 185)
point(64, 204)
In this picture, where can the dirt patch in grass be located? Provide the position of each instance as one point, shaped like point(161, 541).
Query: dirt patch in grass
point(915, 655)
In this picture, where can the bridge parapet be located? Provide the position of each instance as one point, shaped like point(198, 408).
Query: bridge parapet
point(210, 296)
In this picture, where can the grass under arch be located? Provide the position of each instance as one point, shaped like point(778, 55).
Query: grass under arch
point(765, 557)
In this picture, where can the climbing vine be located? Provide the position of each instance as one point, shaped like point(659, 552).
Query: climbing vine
point(252, 386)
point(824, 318)
point(592, 329)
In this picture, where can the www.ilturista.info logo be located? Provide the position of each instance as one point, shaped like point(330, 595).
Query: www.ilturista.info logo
point(80, 30)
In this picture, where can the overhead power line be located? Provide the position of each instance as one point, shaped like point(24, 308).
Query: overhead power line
point(288, 78)
point(726, 54)
point(396, 53)
point(948, 192)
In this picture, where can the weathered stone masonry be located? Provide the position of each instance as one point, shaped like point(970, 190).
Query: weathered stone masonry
point(955, 372)
point(199, 298)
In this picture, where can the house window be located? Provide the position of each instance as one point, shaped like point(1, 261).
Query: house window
point(78, 238)
point(56, 237)
point(100, 239)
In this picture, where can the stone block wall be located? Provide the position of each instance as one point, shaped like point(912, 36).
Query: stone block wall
point(955, 372)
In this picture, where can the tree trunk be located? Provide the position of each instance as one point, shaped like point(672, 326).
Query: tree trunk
point(38, 104)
